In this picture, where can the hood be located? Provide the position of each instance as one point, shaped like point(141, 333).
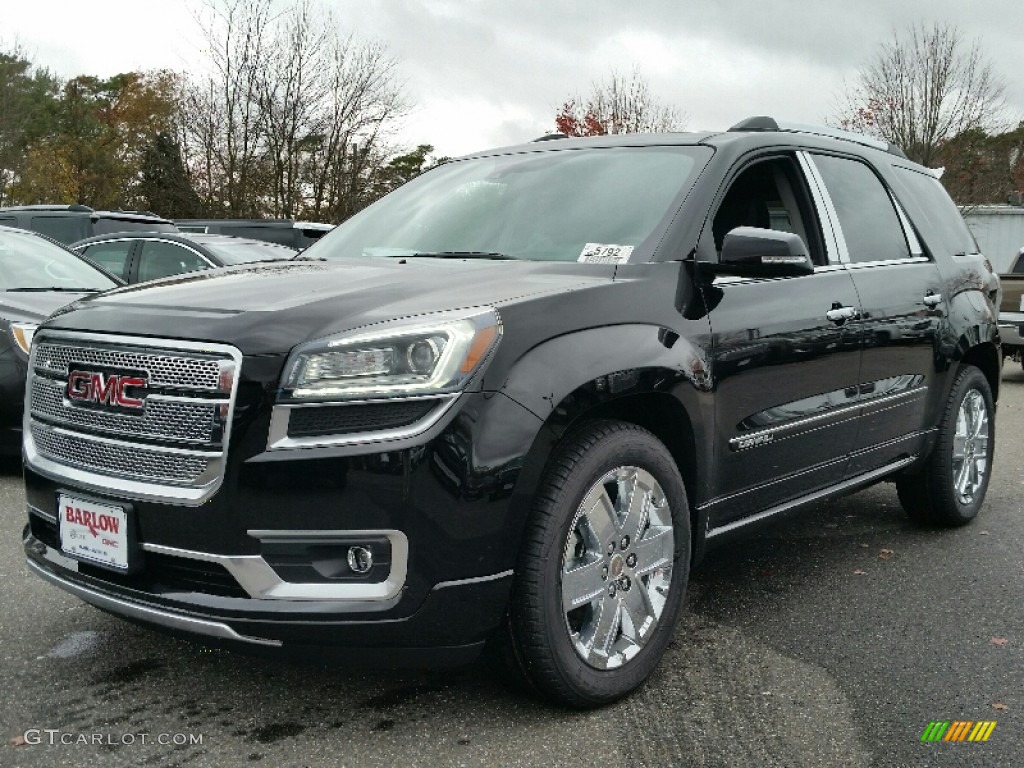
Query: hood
point(269, 308)
point(32, 306)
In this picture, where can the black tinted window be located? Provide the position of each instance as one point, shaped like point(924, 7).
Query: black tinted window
point(113, 257)
point(159, 259)
point(946, 226)
point(66, 229)
point(109, 226)
point(867, 217)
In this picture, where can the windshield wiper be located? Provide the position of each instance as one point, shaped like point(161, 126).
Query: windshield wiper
point(59, 288)
point(460, 255)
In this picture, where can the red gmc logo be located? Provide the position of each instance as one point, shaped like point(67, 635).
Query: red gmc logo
point(111, 389)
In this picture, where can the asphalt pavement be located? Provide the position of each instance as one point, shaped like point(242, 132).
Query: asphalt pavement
point(832, 638)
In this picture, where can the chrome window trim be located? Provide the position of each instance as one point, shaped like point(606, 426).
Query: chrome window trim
point(827, 214)
point(908, 230)
point(262, 582)
point(145, 613)
point(889, 262)
point(278, 440)
point(141, 490)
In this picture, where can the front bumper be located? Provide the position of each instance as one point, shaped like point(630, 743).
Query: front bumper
point(1010, 325)
point(248, 567)
point(451, 626)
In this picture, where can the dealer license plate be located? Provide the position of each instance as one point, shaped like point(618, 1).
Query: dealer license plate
point(91, 531)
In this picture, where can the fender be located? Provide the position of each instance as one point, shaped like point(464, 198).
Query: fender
point(646, 373)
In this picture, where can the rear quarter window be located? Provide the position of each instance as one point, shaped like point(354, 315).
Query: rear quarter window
point(946, 228)
point(65, 229)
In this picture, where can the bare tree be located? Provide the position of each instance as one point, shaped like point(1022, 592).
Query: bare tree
point(222, 117)
point(922, 88)
point(618, 105)
point(292, 118)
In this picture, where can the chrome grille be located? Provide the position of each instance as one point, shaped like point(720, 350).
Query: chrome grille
point(174, 450)
point(164, 370)
point(123, 460)
point(162, 419)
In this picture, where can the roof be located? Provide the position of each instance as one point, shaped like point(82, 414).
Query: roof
point(765, 129)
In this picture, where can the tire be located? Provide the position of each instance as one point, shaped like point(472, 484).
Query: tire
point(948, 492)
point(592, 638)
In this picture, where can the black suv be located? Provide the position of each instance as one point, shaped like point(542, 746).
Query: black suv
point(69, 223)
point(295, 234)
point(513, 401)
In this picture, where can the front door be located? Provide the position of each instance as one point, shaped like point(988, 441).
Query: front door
point(786, 361)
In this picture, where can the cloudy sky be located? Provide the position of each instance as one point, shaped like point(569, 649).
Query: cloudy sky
point(483, 73)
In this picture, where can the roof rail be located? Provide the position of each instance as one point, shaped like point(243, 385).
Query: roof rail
point(762, 123)
point(75, 207)
point(550, 137)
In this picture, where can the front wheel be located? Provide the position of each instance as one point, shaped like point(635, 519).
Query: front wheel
point(952, 486)
point(603, 568)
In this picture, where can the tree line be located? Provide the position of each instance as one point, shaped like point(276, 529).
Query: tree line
point(285, 117)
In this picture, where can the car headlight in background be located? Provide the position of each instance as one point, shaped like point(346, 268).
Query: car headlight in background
point(23, 333)
point(428, 355)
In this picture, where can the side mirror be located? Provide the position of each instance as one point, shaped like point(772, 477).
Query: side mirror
point(754, 252)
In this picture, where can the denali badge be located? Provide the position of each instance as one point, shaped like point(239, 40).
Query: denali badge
point(107, 389)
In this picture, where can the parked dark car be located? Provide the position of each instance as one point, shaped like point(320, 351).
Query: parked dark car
point(1011, 311)
point(296, 234)
point(37, 276)
point(522, 395)
point(136, 258)
point(68, 223)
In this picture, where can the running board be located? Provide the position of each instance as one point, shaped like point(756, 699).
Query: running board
point(847, 485)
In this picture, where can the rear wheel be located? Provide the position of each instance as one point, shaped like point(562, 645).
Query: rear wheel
point(603, 568)
point(952, 486)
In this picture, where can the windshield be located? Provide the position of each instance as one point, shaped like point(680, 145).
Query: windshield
point(564, 205)
point(28, 262)
point(245, 251)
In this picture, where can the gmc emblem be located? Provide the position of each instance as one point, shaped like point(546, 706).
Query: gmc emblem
point(107, 389)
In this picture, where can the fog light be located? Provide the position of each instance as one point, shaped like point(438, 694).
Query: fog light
point(360, 559)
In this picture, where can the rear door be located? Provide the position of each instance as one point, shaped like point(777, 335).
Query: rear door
point(902, 306)
point(785, 361)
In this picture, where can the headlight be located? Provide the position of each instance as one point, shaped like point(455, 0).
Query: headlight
point(23, 333)
point(429, 355)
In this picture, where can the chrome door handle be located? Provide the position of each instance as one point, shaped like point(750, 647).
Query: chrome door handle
point(933, 299)
point(841, 314)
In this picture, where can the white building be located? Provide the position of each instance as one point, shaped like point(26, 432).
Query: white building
point(999, 230)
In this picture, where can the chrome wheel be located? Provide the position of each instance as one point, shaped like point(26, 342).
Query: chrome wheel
point(617, 567)
point(970, 447)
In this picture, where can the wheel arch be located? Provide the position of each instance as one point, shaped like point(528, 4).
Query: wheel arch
point(987, 358)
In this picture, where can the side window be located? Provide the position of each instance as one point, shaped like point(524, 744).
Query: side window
point(869, 222)
point(159, 259)
point(65, 229)
point(939, 213)
point(770, 194)
point(113, 257)
point(8, 221)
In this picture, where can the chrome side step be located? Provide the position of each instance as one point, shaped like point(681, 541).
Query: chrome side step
point(847, 485)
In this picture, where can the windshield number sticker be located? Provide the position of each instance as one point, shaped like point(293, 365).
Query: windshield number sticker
point(599, 253)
